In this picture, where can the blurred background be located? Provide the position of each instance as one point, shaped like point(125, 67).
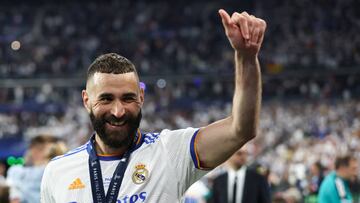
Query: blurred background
point(310, 62)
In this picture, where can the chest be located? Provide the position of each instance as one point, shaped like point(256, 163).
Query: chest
point(148, 178)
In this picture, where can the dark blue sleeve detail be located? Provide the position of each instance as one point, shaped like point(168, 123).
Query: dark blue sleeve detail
point(193, 151)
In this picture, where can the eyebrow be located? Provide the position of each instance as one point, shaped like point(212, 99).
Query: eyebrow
point(105, 95)
point(109, 95)
point(130, 94)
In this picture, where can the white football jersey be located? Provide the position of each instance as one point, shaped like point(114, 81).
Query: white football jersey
point(160, 170)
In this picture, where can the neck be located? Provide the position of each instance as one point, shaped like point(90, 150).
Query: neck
point(341, 174)
point(235, 167)
point(39, 162)
point(103, 149)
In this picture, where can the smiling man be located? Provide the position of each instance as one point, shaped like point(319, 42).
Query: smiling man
point(114, 100)
point(121, 164)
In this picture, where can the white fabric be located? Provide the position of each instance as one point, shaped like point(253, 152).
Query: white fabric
point(340, 187)
point(240, 174)
point(24, 182)
point(166, 157)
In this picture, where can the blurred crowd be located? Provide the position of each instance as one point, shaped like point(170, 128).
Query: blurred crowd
point(312, 32)
point(306, 120)
point(296, 136)
point(52, 39)
point(28, 111)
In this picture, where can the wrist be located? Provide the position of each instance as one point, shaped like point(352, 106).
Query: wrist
point(248, 59)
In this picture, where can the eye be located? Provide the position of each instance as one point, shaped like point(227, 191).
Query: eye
point(129, 99)
point(105, 99)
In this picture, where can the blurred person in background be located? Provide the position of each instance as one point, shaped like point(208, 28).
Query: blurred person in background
point(25, 181)
point(4, 193)
point(4, 188)
point(335, 187)
point(316, 177)
point(200, 191)
point(2, 173)
point(240, 184)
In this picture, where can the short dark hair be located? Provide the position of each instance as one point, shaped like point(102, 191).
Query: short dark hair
point(111, 63)
point(343, 160)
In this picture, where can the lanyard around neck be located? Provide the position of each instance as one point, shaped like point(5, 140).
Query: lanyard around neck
point(97, 186)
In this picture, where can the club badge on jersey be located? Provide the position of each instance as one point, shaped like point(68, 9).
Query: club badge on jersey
point(140, 174)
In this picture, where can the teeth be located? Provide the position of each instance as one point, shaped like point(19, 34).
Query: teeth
point(117, 123)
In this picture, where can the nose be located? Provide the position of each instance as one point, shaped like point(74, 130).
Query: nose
point(118, 109)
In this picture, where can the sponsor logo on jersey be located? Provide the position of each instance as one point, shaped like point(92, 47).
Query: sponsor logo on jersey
point(140, 174)
point(76, 184)
point(141, 197)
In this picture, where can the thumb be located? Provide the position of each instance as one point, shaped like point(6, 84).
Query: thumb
point(225, 18)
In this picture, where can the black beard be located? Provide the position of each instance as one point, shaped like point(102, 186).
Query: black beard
point(118, 139)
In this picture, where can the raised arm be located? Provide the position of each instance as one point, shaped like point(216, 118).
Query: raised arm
point(216, 142)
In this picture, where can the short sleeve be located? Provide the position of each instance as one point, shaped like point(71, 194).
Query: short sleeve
point(180, 146)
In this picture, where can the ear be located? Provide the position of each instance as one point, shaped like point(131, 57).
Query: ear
point(142, 96)
point(86, 102)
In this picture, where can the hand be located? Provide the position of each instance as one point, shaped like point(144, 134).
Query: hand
point(245, 32)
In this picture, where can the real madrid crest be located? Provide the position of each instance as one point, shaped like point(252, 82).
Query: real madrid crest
point(140, 174)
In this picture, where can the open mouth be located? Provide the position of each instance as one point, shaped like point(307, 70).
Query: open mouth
point(116, 123)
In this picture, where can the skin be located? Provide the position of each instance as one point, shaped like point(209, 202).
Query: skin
point(348, 172)
point(38, 155)
point(113, 94)
point(238, 159)
point(245, 34)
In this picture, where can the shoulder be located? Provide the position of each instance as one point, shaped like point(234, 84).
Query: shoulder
point(150, 138)
point(254, 173)
point(64, 165)
point(328, 184)
point(254, 176)
point(15, 171)
point(220, 181)
point(179, 135)
point(188, 130)
point(74, 154)
point(221, 177)
point(15, 168)
point(329, 179)
point(167, 135)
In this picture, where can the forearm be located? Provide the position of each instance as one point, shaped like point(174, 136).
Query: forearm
point(247, 97)
point(219, 140)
